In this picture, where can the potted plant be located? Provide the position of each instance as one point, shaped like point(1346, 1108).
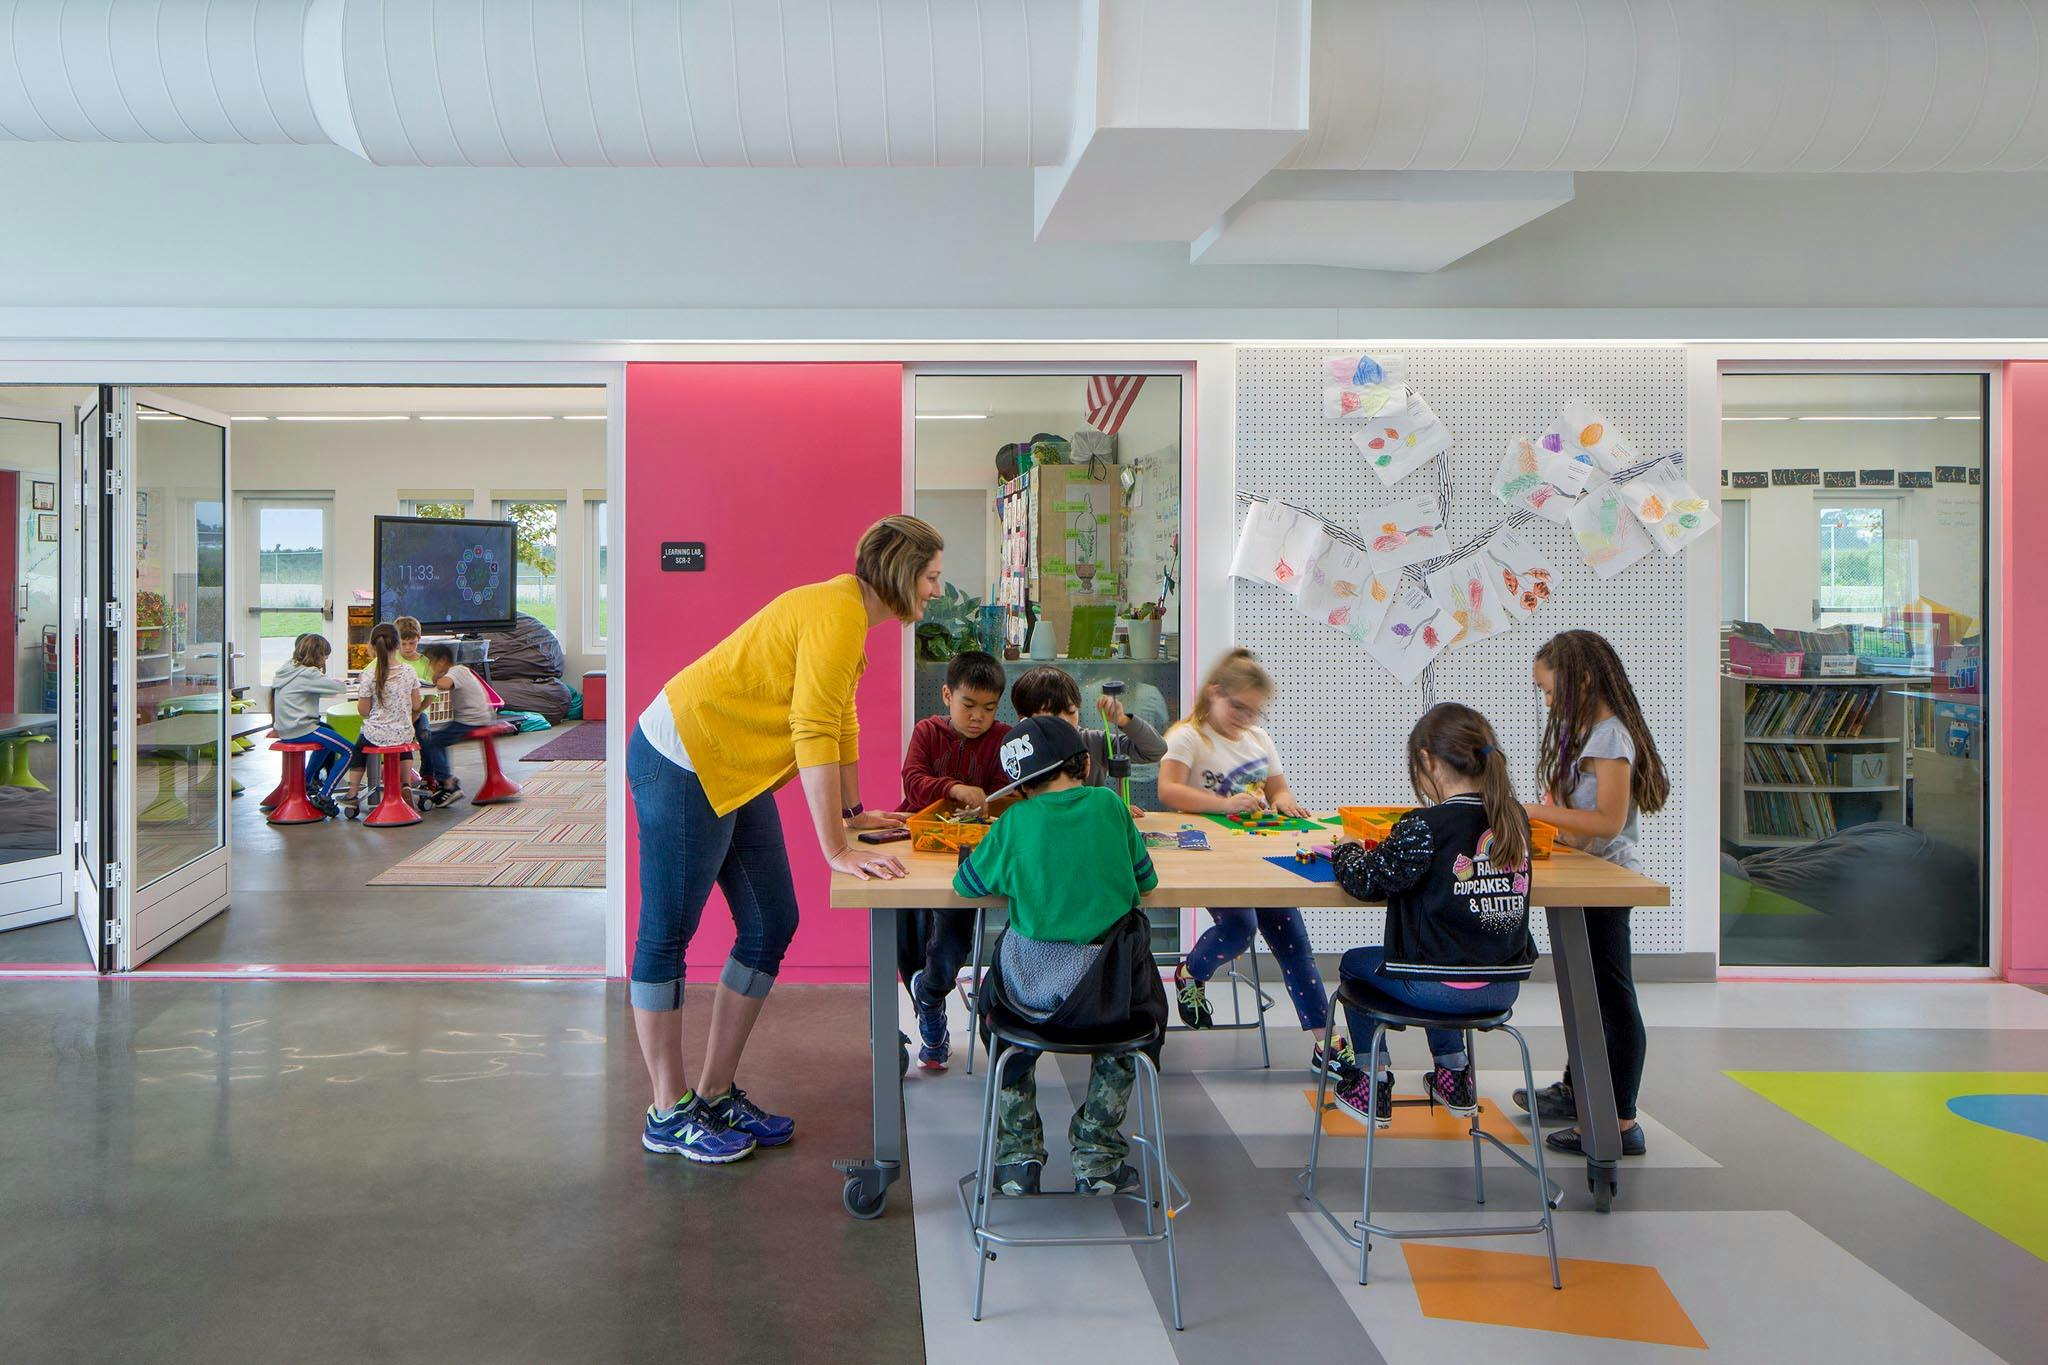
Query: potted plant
point(1143, 621)
point(951, 625)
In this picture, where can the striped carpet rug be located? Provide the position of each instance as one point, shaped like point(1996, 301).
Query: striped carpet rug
point(553, 835)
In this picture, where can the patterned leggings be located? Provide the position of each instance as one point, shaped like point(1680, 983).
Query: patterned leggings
point(1287, 936)
point(1095, 1136)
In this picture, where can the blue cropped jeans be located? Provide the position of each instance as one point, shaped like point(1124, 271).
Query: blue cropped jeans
point(686, 848)
point(1446, 1045)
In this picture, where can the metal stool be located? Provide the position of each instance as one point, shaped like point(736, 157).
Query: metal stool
point(1388, 1014)
point(1148, 1145)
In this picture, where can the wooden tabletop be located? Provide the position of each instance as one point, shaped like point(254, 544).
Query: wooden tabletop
point(14, 724)
point(1233, 872)
point(197, 729)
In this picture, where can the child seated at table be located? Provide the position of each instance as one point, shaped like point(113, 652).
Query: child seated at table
point(296, 694)
point(1455, 875)
point(389, 700)
point(469, 706)
point(951, 757)
point(1049, 691)
point(1075, 960)
point(409, 632)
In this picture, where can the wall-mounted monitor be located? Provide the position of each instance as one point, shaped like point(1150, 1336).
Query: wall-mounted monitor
point(452, 575)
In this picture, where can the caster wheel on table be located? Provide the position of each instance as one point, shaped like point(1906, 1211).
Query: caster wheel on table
point(1603, 1194)
point(860, 1203)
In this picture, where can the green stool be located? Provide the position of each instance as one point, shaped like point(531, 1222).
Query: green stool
point(14, 769)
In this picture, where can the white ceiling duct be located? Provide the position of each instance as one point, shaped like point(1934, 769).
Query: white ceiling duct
point(1676, 85)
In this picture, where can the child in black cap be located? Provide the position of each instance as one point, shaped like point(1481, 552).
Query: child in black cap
point(1073, 867)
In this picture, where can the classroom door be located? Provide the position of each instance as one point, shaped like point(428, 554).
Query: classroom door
point(287, 563)
point(173, 716)
point(34, 832)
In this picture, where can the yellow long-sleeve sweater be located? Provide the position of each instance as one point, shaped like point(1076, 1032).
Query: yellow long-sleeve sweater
point(776, 694)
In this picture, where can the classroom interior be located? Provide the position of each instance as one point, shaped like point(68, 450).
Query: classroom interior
point(255, 519)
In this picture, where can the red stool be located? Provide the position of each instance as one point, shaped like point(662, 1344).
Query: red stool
point(277, 793)
point(291, 806)
point(394, 809)
point(497, 787)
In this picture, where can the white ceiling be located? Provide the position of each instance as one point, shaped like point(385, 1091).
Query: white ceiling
point(1870, 395)
point(413, 401)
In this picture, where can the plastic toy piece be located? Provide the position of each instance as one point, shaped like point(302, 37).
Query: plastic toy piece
point(1303, 856)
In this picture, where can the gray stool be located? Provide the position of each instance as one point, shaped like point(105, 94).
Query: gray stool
point(1388, 1014)
point(1148, 1145)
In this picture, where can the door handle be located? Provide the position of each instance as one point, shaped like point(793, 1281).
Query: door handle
point(327, 610)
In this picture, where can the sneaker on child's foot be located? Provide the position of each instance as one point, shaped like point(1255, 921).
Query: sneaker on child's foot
point(1367, 1100)
point(1554, 1103)
point(693, 1132)
point(742, 1115)
point(1191, 997)
point(1123, 1180)
point(1018, 1178)
point(1456, 1091)
point(444, 796)
point(936, 1044)
point(1337, 1061)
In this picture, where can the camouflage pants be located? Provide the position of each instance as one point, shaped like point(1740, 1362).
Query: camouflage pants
point(1096, 1133)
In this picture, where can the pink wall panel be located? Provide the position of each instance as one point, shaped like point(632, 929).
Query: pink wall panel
point(778, 468)
point(2020, 500)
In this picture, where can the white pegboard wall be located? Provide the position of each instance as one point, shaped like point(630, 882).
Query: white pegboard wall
point(1341, 721)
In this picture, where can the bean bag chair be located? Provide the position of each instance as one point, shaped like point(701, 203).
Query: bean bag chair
point(528, 650)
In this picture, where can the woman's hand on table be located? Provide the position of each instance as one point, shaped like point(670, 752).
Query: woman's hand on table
point(867, 866)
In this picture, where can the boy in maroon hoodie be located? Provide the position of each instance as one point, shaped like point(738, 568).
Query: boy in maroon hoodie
point(957, 756)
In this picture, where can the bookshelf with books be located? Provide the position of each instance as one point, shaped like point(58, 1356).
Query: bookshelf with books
point(1804, 757)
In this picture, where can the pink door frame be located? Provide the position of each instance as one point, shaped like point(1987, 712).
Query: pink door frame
point(2020, 499)
point(777, 467)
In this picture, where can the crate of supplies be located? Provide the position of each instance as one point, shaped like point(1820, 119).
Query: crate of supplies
point(1370, 825)
point(1746, 656)
point(935, 830)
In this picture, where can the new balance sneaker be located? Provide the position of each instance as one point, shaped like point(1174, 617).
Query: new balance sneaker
point(742, 1115)
point(1457, 1091)
point(1554, 1103)
point(935, 1044)
point(1123, 1180)
point(1018, 1178)
point(1191, 997)
point(1338, 1062)
point(693, 1132)
point(1367, 1100)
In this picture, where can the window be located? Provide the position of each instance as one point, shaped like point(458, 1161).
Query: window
point(1851, 576)
point(596, 571)
point(440, 511)
point(538, 527)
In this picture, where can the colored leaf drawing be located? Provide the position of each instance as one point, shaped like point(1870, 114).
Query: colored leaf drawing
point(1385, 543)
point(1610, 516)
point(1591, 433)
point(1379, 590)
point(1343, 589)
point(1430, 637)
point(1341, 616)
point(1653, 508)
point(1553, 442)
point(1403, 629)
point(1519, 485)
point(1284, 572)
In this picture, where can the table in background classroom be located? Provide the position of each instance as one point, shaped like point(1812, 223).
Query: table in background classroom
point(1233, 871)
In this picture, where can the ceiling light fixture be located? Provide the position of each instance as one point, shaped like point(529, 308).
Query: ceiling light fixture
point(1753, 417)
point(952, 417)
point(341, 417)
point(1867, 417)
point(486, 417)
point(583, 416)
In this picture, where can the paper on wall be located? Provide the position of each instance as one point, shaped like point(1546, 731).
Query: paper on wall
point(1366, 371)
point(1520, 573)
point(1402, 439)
point(1412, 635)
point(1337, 583)
point(1403, 533)
point(1667, 506)
point(1525, 481)
point(1465, 592)
point(1588, 443)
point(1355, 403)
point(1275, 545)
point(1608, 536)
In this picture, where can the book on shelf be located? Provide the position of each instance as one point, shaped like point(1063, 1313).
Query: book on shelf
point(1779, 711)
point(1789, 815)
point(1788, 765)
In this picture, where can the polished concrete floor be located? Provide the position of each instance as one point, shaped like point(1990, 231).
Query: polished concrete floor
point(383, 1172)
point(300, 895)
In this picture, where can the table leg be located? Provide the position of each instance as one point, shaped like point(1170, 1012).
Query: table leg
point(1571, 953)
point(868, 1182)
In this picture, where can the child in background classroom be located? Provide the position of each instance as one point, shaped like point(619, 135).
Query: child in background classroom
point(1049, 691)
point(1599, 769)
point(389, 700)
point(469, 707)
point(296, 694)
point(1220, 761)
point(1074, 959)
point(1455, 875)
point(409, 632)
point(957, 757)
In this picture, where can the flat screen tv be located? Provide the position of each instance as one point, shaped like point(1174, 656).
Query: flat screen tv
point(452, 575)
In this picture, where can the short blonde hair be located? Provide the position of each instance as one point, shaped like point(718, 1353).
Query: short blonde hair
point(408, 627)
point(892, 555)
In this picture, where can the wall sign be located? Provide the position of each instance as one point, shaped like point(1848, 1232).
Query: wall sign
point(1838, 478)
point(1951, 473)
point(1875, 478)
point(1976, 475)
point(682, 556)
point(1750, 478)
point(1795, 478)
point(1916, 478)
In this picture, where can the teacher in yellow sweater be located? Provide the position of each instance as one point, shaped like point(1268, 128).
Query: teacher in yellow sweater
point(772, 701)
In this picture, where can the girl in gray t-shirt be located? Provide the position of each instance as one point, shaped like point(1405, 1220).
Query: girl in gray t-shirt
point(1599, 770)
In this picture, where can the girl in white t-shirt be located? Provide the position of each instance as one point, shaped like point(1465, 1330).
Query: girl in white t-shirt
point(1220, 761)
point(389, 699)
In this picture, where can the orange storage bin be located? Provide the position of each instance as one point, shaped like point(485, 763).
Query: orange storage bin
point(1372, 825)
point(931, 832)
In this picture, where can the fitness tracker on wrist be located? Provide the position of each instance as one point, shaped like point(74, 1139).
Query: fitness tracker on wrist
point(849, 812)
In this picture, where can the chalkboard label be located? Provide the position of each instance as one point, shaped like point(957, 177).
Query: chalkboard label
point(1795, 478)
point(1916, 478)
point(1838, 478)
point(682, 556)
point(1751, 478)
point(1976, 475)
point(1876, 478)
point(1951, 473)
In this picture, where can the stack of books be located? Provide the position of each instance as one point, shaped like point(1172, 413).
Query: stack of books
point(1807, 712)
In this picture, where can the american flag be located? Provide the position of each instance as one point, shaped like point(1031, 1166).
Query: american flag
point(1109, 399)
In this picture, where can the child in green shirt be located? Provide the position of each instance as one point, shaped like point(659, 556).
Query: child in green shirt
point(1073, 866)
